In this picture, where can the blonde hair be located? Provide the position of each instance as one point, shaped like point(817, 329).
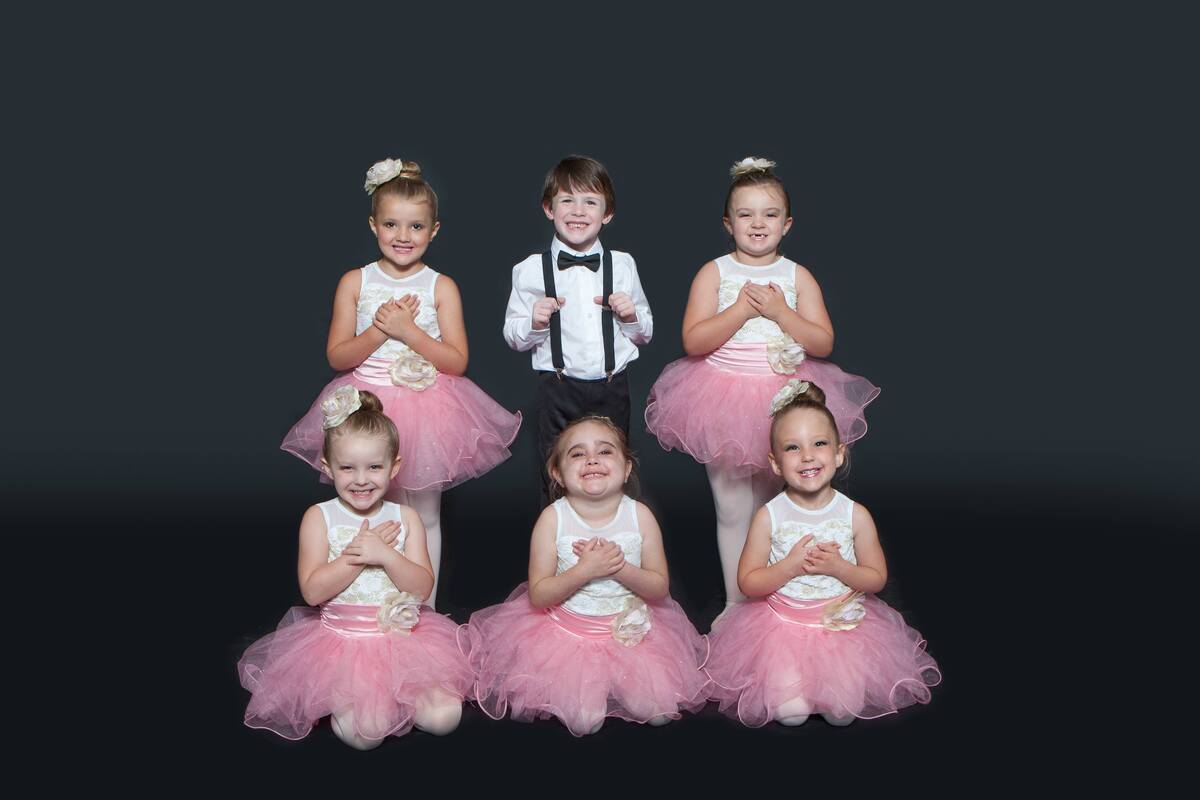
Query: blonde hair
point(368, 420)
point(812, 398)
point(408, 185)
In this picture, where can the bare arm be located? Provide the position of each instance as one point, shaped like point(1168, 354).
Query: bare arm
point(343, 349)
point(649, 581)
point(870, 574)
point(409, 571)
point(449, 355)
point(809, 323)
point(547, 589)
point(704, 330)
point(320, 578)
point(755, 578)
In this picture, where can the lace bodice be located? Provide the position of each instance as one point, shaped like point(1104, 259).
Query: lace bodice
point(373, 583)
point(782, 273)
point(601, 596)
point(790, 523)
point(378, 288)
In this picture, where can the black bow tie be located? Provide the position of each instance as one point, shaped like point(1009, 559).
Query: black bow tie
point(566, 261)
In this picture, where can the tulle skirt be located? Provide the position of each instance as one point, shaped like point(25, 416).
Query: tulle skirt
point(450, 432)
point(539, 663)
point(318, 662)
point(767, 652)
point(717, 408)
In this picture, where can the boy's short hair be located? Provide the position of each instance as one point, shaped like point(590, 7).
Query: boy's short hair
point(579, 174)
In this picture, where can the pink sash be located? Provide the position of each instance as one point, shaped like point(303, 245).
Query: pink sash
point(743, 358)
point(375, 371)
point(809, 613)
point(582, 625)
point(353, 621)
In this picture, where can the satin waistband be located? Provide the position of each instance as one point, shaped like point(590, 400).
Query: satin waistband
point(744, 358)
point(375, 371)
point(351, 620)
point(808, 613)
point(583, 625)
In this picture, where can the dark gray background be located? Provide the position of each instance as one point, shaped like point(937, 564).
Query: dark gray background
point(992, 205)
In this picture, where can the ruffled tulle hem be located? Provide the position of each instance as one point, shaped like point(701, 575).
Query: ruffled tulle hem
point(760, 661)
point(305, 671)
point(723, 417)
point(450, 432)
point(530, 667)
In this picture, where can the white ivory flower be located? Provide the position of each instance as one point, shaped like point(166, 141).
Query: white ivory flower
point(399, 613)
point(381, 172)
point(340, 404)
point(787, 393)
point(845, 615)
point(413, 370)
point(750, 164)
point(784, 354)
point(631, 625)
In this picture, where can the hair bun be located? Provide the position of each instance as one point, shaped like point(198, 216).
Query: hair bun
point(370, 402)
point(751, 164)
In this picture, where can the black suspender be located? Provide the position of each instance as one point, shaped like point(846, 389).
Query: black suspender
point(610, 358)
point(606, 316)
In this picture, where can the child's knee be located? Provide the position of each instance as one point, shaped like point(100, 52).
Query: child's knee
point(439, 715)
point(343, 727)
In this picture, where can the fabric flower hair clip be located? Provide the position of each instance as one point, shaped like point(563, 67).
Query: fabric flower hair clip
point(381, 172)
point(751, 164)
point(787, 394)
point(339, 405)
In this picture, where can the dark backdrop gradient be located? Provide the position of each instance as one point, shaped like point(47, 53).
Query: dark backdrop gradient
point(990, 205)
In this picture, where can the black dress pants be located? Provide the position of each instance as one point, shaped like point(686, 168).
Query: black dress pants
point(561, 401)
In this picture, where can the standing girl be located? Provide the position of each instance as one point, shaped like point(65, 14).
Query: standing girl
point(371, 658)
point(399, 326)
point(594, 633)
point(754, 319)
point(814, 639)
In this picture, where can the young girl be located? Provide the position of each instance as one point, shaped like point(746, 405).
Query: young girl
point(399, 326)
point(754, 319)
point(371, 657)
point(594, 633)
point(815, 639)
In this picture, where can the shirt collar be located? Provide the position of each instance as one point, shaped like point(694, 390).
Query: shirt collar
point(556, 246)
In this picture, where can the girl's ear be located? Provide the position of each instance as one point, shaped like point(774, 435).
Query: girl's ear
point(371, 222)
point(395, 467)
point(437, 226)
point(841, 455)
point(775, 465)
point(787, 225)
point(326, 469)
point(628, 468)
point(725, 220)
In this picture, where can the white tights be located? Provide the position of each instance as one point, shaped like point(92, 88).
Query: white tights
point(437, 713)
point(428, 505)
point(736, 499)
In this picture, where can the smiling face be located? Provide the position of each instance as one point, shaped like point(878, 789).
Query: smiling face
point(805, 452)
point(757, 220)
point(578, 216)
point(403, 227)
point(590, 462)
point(361, 467)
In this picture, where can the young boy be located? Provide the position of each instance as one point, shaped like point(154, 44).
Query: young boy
point(579, 307)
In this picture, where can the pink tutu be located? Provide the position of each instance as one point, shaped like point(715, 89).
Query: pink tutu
point(543, 662)
point(767, 652)
point(318, 662)
point(717, 408)
point(449, 432)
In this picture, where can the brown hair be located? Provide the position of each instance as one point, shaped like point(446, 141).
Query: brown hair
point(579, 174)
point(813, 397)
point(408, 185)
point(556, 452)
point(757, 176)
point(368, 420)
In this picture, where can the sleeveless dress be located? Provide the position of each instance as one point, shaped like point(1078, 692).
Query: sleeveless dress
point(844, 652)
point(450, 430)
point(716, 408)
point(370, 648)
point(604, 649)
